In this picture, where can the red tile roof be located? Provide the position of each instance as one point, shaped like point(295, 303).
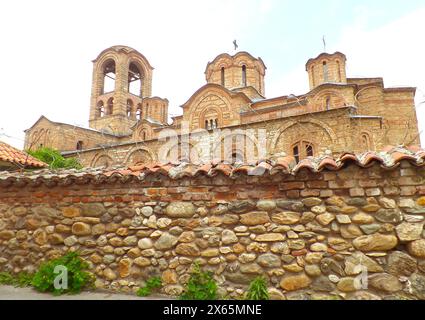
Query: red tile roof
point(389, 159)
point(18, 157)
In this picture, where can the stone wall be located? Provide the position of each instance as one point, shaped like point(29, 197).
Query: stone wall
point(309, 234)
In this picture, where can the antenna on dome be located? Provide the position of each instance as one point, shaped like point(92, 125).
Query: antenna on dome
point(324, 44)
point(235, 44)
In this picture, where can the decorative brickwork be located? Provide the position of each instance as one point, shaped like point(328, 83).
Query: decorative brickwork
point(339, 114)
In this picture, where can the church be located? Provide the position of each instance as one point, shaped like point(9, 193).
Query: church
point(127, 124)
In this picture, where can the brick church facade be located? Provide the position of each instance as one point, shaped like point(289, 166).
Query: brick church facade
point(338, 114)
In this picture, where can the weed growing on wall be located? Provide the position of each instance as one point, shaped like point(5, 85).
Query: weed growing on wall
point(54, 159)
point(152, 284)
point(22, 279)
point(258, 289)
point(67, 274)
point(201, 286)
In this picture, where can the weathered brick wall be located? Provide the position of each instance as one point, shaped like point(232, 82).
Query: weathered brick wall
point(307, 233)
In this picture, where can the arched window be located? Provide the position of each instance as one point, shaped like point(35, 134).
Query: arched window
point(328, 103)
point(302, 150)
point(143, 134)
point(129, 108)
point(79, 145)
point(296, 153)
point(325, 72)
point(100, 110)
point(110, 106)
point(339, 71)
point(365, 141)
point(222, 77)
point(211, 124)
point(244, 75)
point(135, 80)
point(108, 84)
point(309, 150)
point(211, 118)
point(139, 112)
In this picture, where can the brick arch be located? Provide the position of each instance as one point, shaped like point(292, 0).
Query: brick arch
point(101, 159)
point(206, 111)
point(99, 67)
point(189, 151)
point(367, 144)
point(139, 149)
point(329, 134)
point(138, 130)
point(210, 101)
point(234, 147)
point(318, 101)
point(145, 70)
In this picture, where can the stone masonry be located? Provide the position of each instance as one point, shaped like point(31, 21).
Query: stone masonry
point(313, 235)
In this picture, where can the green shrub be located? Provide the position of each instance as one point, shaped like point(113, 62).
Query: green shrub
point(151, 284)
point(78, 277)
point(22, 279)
point(258, 289)
point(54, 159)
point(201, 286)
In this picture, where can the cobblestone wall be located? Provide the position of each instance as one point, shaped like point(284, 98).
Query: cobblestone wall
point(354, 234)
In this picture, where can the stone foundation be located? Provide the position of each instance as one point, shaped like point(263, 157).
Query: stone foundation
point(313, 235)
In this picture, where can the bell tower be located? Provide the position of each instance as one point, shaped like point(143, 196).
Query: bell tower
point(122, 78)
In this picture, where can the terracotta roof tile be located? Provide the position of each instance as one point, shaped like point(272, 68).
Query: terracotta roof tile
point(390, 158)
point(18, 157)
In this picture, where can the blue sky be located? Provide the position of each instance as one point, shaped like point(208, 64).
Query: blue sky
point(49, 45)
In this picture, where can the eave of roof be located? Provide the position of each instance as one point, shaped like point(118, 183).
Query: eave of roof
point(389, 158)
point(18, 158)
point(325, 54)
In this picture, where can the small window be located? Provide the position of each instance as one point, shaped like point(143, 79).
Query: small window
point(325, 72)
point(309, 150)
point(339, 71)
point(80, 145)
point(244, 75)
point(129, 108)
point(365, 142)
point(139, 113)
point(207, 125)
point(302, 150)
point(296, 153)
point(328, 103)
point(222, 77)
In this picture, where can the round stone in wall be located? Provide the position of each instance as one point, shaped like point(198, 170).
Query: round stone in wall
point(146, 211)
point(180, 210)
